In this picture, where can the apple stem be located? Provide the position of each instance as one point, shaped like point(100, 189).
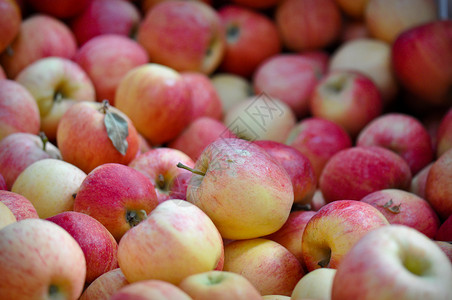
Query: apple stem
point(105, 106)
point(44, 140)
point(58, 96)
point(194, 171)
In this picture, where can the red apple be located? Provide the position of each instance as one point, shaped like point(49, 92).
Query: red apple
point(419, 181)
point(62, 9)
point(9, 23)
point(150, 289)
point(444, 134)
point(20, 206)
point(147, 5)
point(3, 185)
point(178, 187)
point(445, 230)
point(104, 286)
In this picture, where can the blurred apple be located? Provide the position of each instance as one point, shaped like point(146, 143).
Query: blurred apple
point(2, 73)
point(147, 5)
point(444, 134)
point(62, 9)
point(150, 289)
point(419, 181)
point(20, 206)
point(6, 216)
point(257, 4)
point(3, 185)
point(353, 8)
point(316, 284)
point(104, 286)
point(353, 29)
point(231, 89)
point(9, 23)
point(445, 231)
point(446, 247)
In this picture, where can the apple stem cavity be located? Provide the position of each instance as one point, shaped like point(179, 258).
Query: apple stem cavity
point(194, 171)
point(54, 293)
point(326, 261)
point(58, 97)
point(161, 182)
point(232, 33)
point(336, 85)
point(134, 217)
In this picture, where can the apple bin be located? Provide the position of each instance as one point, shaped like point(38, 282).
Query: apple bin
point(226, 149)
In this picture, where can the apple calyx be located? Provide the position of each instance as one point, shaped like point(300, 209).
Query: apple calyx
point(324, 263)
point(194, 171)
point(117, 128)
point(54, 293)
point(395, 209)
point(214, 279)
point(134, 217)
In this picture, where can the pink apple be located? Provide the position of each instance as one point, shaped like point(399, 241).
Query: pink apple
point(308, 24)
point(251, 37)
point(150, 289)
point(3, 185)
point(427, 79)
point(318, 139)
point(404, 264)
point(419, 181)
point(353, 8)
point(84, 125)
point(62, 9)
point(157, 100)
point(117, 196)
point(44, 258)
point(179, 185)
point(290, 78)
point(348, 98)
point(20, 206)
point(358, 171)
point(147, 5)
point(104, 286)
point(105, 17)
point(270, 267)
point(445, 230)
point(9, 23)
point(19, 110)
point(334, 230)
point(183, 35)
point(298, 167)
point(39, 36)
point(403, 134)
point(19, 150)
point(444, 134)
point(108, 58)
point(231, 89)
point(160, 166)
point(7, 217)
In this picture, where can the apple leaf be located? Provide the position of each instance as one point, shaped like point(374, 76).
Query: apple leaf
point(117, 130)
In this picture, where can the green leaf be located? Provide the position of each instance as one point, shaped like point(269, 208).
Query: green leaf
point(117, 130)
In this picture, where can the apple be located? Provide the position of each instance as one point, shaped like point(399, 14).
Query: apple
point(257, 4)
point(438, 190)
point(402, 133)
point(105, 17)
point(251, 38)
point(56, 84)
point(298, 167)
point(63, 9)
point(19, 150)
point(348, 98)
point(198, 134)
point(427, 78)
point(358, 171)
point(444, 134)
point(404, 264)
point(160, 166)
point(419, 181)
point(386, 19)
point(205, 99)
point(445, 231)
point(20, 113)
point(308, 24)
point(150, 289)
point(318, 139)
point(117, 196)
point(446, 247)
point(104, 286)
point(20, 206)
point(245, 192)
point(353, 8)
point(10, 22)
point(3, 185)
point(277, 297)
point(39, 36)
point(6, 216)
point(220, 285)
point(2, 73)
point(316, 284)
point(405, 208)
point(108, 58)
point(270, 267)
point(183, 35)
point(354, 55)
point(178, 186)
point(317, 200)
point(176, 240)
point(334, 229)
point(40, 260)
point(262, 117)
point(99, 246)
point(147, 5)
point(102, 133)
point(157, 100)
point(353, 29)
point(289, 77)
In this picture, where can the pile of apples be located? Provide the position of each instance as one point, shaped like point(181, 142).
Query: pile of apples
point(225, 149)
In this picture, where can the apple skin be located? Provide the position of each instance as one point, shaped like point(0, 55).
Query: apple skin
point(446, 247)
point(405, 208)
point(19, 150)
point(10, 22)
point(105, 17)
point(39, 36)
point(178, 186)
point(318, 139)
point(160, 166)
point(20, 206)
point(49, 184)
point(3, 185)
point(444, 134)
point(150, 289)
point(353, 29)
point(353, 8)
point(298, 167)
point(99, 246)
point(445, 230)
point(358, 171)
point(117, 196)
point(348, 98)
point(427, 78)
point(176, 240)
point(403, 134)
point(63, 9)
point(419, 181)
point(157, 100)
point(147, 5)
point(23, 245)
point(270, 267)
point(308, 24)
point(106, 59)
point(316, 284)
point(221, 285)
point(6, 216)
point(245, 192)
point(104, 286)
point(20, 113)
point(257, 4)
point(183, 35)
point(405, 264)
point(83, 125)
point(251, 38)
